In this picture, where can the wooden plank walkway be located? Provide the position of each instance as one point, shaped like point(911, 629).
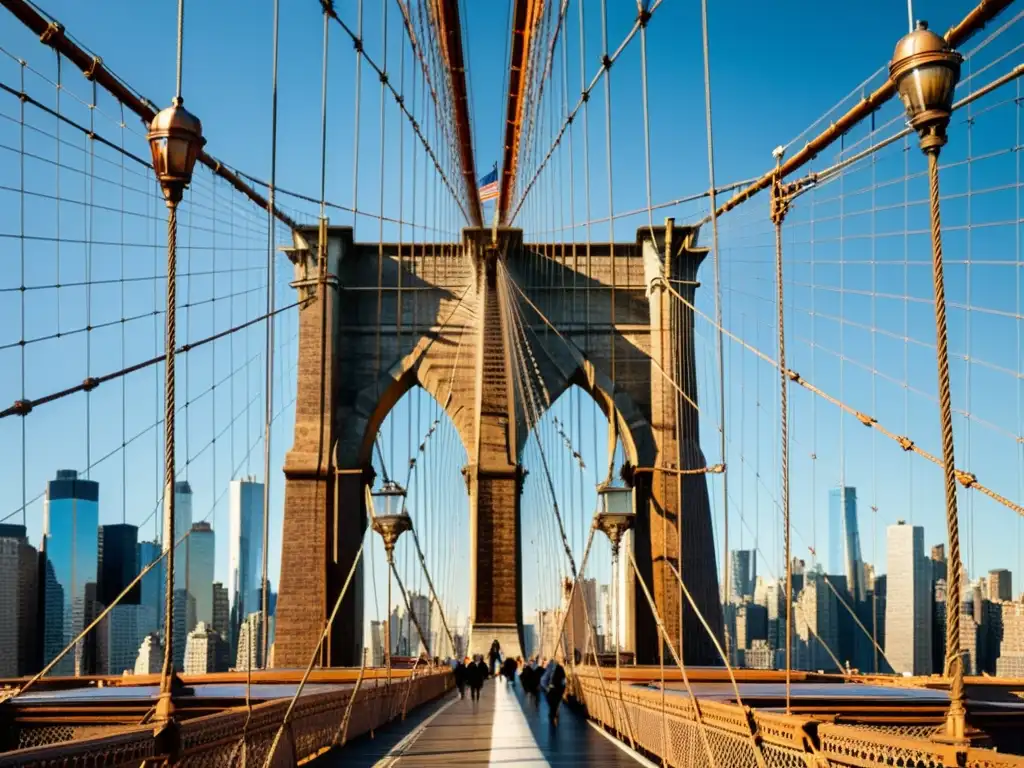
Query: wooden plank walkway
point(505, 727)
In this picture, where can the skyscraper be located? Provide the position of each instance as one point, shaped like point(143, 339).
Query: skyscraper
point(250, 652)
point(117, 564)
point(420, 605)
point(604, 621)
point(834, 545)
point(184, 617)
point(816, 625)
point(908, 610)
point(118, 639)
point(205, 651)
point(743, 573)
point(182, 525)
point(245, 551)
point(842, 503)
point(200, 550)
point(939, 562)
point(1000, 585)
point(377, 643)
point(152, 587)
point(221, 611)
point(19, 597)
point(70, 535)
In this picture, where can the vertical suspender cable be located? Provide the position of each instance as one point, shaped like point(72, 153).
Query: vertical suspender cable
point(611, 219)
point(269, 356)
point(90, 224)
point(20, 160)
point(380, 218)
point(358, 99)
point(778, 213)
point(124, 398)
point(718, 306)
point(586, 169)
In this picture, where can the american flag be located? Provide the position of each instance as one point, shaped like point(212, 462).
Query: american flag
point(489, 185)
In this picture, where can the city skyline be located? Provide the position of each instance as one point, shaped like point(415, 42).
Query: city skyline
point(82, 568)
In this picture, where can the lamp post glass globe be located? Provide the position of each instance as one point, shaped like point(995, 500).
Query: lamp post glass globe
point(615, 511)
point(925, 71)
point(390, 519)
point(175, 138)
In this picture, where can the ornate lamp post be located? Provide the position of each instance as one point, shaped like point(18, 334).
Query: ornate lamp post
point(615, 515)
point(925, 71)
point(390, 521)
point(175, 138)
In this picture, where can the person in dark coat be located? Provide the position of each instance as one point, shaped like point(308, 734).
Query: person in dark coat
point(530, 677)
point(509, 669)
point(553, 683)
point(460, 677)
point(494, 657)
point(476, 675)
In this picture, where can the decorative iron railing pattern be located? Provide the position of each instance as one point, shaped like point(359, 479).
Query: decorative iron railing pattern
point(220, 739)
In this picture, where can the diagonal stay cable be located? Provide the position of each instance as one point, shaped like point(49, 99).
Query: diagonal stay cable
point(965, 478)
point(399, 100)
point(25, 407)
point(606, 63)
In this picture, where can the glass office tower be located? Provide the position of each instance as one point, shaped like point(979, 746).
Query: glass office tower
point(70, 542)
point(182, 525)
point(842, 504)
point(245, 552)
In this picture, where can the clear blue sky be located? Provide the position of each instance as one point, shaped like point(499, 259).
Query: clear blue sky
point(776, 68)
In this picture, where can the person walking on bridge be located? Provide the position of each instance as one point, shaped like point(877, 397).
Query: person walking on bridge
point(553, 684)
point(475, 676)
point(461, 672)
point(509, 669)
point(494, 657)
point(530, 677)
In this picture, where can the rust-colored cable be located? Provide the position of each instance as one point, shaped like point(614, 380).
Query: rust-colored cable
point(778, 213)
point(954, 669)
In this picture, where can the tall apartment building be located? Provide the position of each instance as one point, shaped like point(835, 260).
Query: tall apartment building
point(815, 624)
point(1010, 661)
point(19, 598)
point(1000, 585)
point(250, 649)
point(908, 615)
point(150, 658)
point(221, 610)
point(205, 651)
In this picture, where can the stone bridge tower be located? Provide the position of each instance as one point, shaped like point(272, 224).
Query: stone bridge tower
point(384, 318)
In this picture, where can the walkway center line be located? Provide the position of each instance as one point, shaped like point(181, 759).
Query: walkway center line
point(512, 741)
